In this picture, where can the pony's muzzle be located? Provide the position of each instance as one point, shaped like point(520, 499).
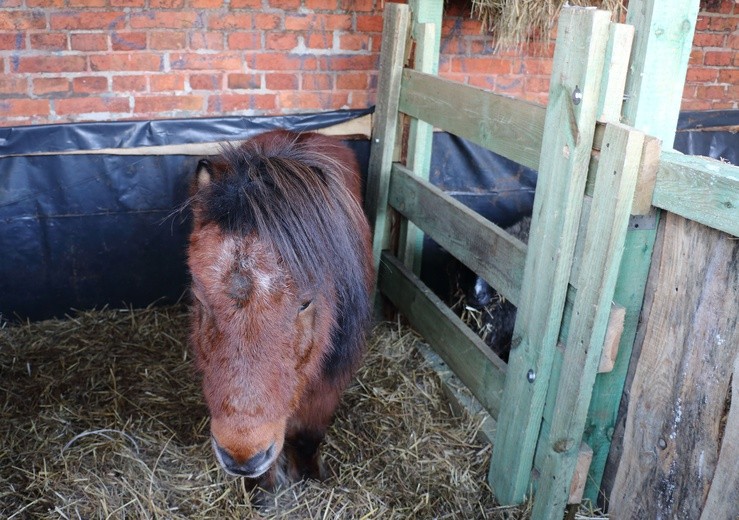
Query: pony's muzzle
point(251, 468)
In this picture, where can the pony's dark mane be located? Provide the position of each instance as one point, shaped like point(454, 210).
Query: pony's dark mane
point(291, 191)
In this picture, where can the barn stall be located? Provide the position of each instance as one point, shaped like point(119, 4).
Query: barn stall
point(125, 445)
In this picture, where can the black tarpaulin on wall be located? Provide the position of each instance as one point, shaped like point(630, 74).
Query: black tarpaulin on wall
point(88, 230)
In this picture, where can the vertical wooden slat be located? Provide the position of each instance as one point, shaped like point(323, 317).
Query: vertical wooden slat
point(614, 189)
point(621, 37)
point(663, 38)
point(420, 135)
point(568, 136)
point(394, 34)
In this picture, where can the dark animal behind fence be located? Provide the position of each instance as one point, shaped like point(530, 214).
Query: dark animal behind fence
point(280, 258)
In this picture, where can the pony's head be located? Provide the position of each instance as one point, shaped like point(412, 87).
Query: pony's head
point(276, 255)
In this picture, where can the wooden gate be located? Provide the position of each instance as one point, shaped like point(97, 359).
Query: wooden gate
point(598, 179)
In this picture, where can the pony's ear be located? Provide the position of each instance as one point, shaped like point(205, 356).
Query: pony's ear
point(204, 172)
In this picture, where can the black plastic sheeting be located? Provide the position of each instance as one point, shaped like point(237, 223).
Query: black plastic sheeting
point(85, 231)
point(712, 134)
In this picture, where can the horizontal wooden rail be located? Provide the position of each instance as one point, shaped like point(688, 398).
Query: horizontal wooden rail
point(478, 243)
point(509, 127)
point(700, 189)
point(466, 354)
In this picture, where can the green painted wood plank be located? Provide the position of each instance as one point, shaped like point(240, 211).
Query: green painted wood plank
point(565, 153)
point(478, 243)
point(510, 127)
point(427, 12)
point(394, 33)
point(420, 136)
point(621, 37)
point(663, 35)
point(700, 189)
point(466, 354)
point(605, 237)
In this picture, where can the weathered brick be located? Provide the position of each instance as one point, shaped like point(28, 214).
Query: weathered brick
point(212, 82)
point(87, 20)
point(88, 41)
point(709, 39)
point(13, 85)
point(166, 4)
point(280, 41)
point(212, 41)
point(246, 4)
point(216, 61)
point(159, 104)
point(278, 61)
point(369, 23)
point(167, 40)
point(87, 3)
point(282, 81)
point(52, 41)
point(319, 40)
point(166, 83)
point(317, 22)
point(126, 62)
point(305, 101)
point(128, 41)
point(317, 81)
point(730, 76)
point(352, 81)
point(22, 20)
point(176, 19)
point(245, 81)
point(249, 40)
point(35, 3)
point(227, 103)
point(343, 62)
point(78, 106)
point(718, 58)
point(284, 4)
point(230, 21)
point(699, 74)
point(128, 3)
point(59, 63)
point(206, 4)
point(129, 83)
point(12, 42)
point(356, 5)
point(354, 42)
point(30, 108)
point(267, 22)
point(50, 86)
point(483, 65)
point(321, 5)
point(90, 84)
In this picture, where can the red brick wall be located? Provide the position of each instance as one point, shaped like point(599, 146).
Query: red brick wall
point(83, 60)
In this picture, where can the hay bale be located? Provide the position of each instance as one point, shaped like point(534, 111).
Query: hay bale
point(515, 22)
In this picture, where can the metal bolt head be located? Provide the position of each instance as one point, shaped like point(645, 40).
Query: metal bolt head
point(576, 95)
point(531, 375)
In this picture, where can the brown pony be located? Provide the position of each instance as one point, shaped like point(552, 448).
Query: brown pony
point(280, 258)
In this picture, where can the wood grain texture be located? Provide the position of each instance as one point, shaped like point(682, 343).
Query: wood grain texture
point(723, 498)
point(604, 241)
point(565, 153)
point(510, 127)
point(395, 30)
point(466, 354)
point(690, 343)
point(478, 243)
point(699, 188)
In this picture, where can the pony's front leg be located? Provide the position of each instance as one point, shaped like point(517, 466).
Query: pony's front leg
point(307, 429)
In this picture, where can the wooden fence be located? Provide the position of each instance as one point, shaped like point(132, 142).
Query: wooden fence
point(582, 276)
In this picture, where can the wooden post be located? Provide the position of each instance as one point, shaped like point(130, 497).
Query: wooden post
point(394, 35)
point(420, 135)
point(568, 137)
point(659, 58)
point(606, 231)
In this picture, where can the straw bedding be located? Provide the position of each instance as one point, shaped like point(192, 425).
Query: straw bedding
point(102, 417)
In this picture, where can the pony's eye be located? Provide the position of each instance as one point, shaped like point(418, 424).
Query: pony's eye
point(305, 305)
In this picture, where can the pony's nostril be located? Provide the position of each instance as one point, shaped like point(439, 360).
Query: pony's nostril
point(252, 467)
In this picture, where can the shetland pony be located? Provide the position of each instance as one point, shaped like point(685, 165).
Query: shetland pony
point(280, 259)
